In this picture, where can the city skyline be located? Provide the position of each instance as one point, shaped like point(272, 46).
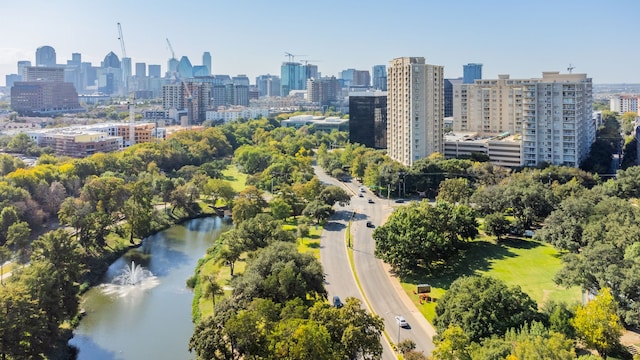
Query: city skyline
point(516, 38)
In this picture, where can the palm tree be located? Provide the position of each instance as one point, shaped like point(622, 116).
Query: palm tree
point(212, 288)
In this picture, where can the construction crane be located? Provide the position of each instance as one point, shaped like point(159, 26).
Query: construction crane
point(306, 62)
point(131, 102)
point(570, 68)
point(173, 54)
point(291, 56)
point(172, 72)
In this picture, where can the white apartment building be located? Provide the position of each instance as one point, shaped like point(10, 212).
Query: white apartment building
point(553, 114)
point(415, 109)
point(623, 103)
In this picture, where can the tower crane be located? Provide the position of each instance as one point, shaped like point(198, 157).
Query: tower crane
point(172, 72)
point(291, 56)
point(570, 68)
point(131, 102)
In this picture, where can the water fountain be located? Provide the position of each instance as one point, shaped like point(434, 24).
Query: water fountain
point(132, 275)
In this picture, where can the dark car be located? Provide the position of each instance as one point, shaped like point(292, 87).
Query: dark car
point(337, 303)
point(399, 201)
point(370, 201)
point(369, 224)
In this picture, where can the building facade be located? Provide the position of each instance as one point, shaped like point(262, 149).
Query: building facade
point(553, 114)
point(380, 77)
point(368, 119)
point(45, 56)
point(323, 91)
point(624, 103)
point(415, 109)
point(471, 72)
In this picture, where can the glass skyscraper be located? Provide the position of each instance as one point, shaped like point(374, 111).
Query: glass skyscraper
point(471, 72)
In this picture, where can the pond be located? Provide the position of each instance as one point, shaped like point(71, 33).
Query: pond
point(150, 317)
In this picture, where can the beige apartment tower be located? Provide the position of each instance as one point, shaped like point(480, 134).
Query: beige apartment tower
point(415, 109)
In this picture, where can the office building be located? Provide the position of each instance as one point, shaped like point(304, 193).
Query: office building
point(268, 85)
point(415, 109)
point(471, 72)
point(380, 77)
point(42, 73)
point(368, 119)
point(21, 65)
point(621, 104)
point(323, 91)
point(155, 71)
point(185, 69)
point(141, 70)
point(355, 78)
point(448, 95)
point(43, 97)
point(293, 77)
point(206, 61)
point(45, 56)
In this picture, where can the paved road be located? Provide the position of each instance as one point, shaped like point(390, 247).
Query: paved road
point(383, 293)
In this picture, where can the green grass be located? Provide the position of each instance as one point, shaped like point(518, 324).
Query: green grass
point(235, 177)
point(522, 262)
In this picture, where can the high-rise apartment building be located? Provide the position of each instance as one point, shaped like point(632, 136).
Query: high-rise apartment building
point(380, 77)
point(471, 72)
point(553, 114)
point(45, 56)
point(42, 73)
point(415, 109)
point(624, 103)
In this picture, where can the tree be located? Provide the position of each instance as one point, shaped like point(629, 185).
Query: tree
point(5, 255)
point(421, 235)
point(21, 143)
point(218, 189)
point(455, 190)
point(18, 238)
point(248, 204)
point(211, 288)
point(280, 209)
point(298, 339)
point(452, 344)
point(496, 224)
point(318, 210)
point(483, 306)
point(138, 209)
point(280, 273)
point(355, 333)
point(333, 194)
point(598, 324)
point(22, 324)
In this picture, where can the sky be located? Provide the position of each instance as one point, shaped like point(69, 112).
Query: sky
point(251, 37)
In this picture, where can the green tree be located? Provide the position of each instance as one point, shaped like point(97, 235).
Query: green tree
point(5, 255)
point(318, 210)
point(21, 143)
point(598, 324)
point(280, 273)
point(483, 306)
point(21, 324)
point(455, 190)
point(332, 194)
point(218, 189)
point(280, 209)
point(452, 344)
point(355, 333)
point(299, 339)
point(212, 288)
point(497, 224)
point(18, 238)
point(421, 235)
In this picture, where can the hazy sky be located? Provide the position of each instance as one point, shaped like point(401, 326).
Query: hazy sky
point(521, 38)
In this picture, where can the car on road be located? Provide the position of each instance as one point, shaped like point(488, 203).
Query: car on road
point(369, 224)
point(360, 195)
point(337, 303)
point(370, 201)
point(401, 321)
point(399, 201)
point(362, 189)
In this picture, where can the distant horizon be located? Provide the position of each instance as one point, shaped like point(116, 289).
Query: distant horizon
point(253, 37)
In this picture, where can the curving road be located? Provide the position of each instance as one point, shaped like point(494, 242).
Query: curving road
point(383, 292)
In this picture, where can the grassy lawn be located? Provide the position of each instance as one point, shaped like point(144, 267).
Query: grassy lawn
point(523, 262)
point(235, 177)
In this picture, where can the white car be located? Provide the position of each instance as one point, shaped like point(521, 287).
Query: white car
point(402, 322)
